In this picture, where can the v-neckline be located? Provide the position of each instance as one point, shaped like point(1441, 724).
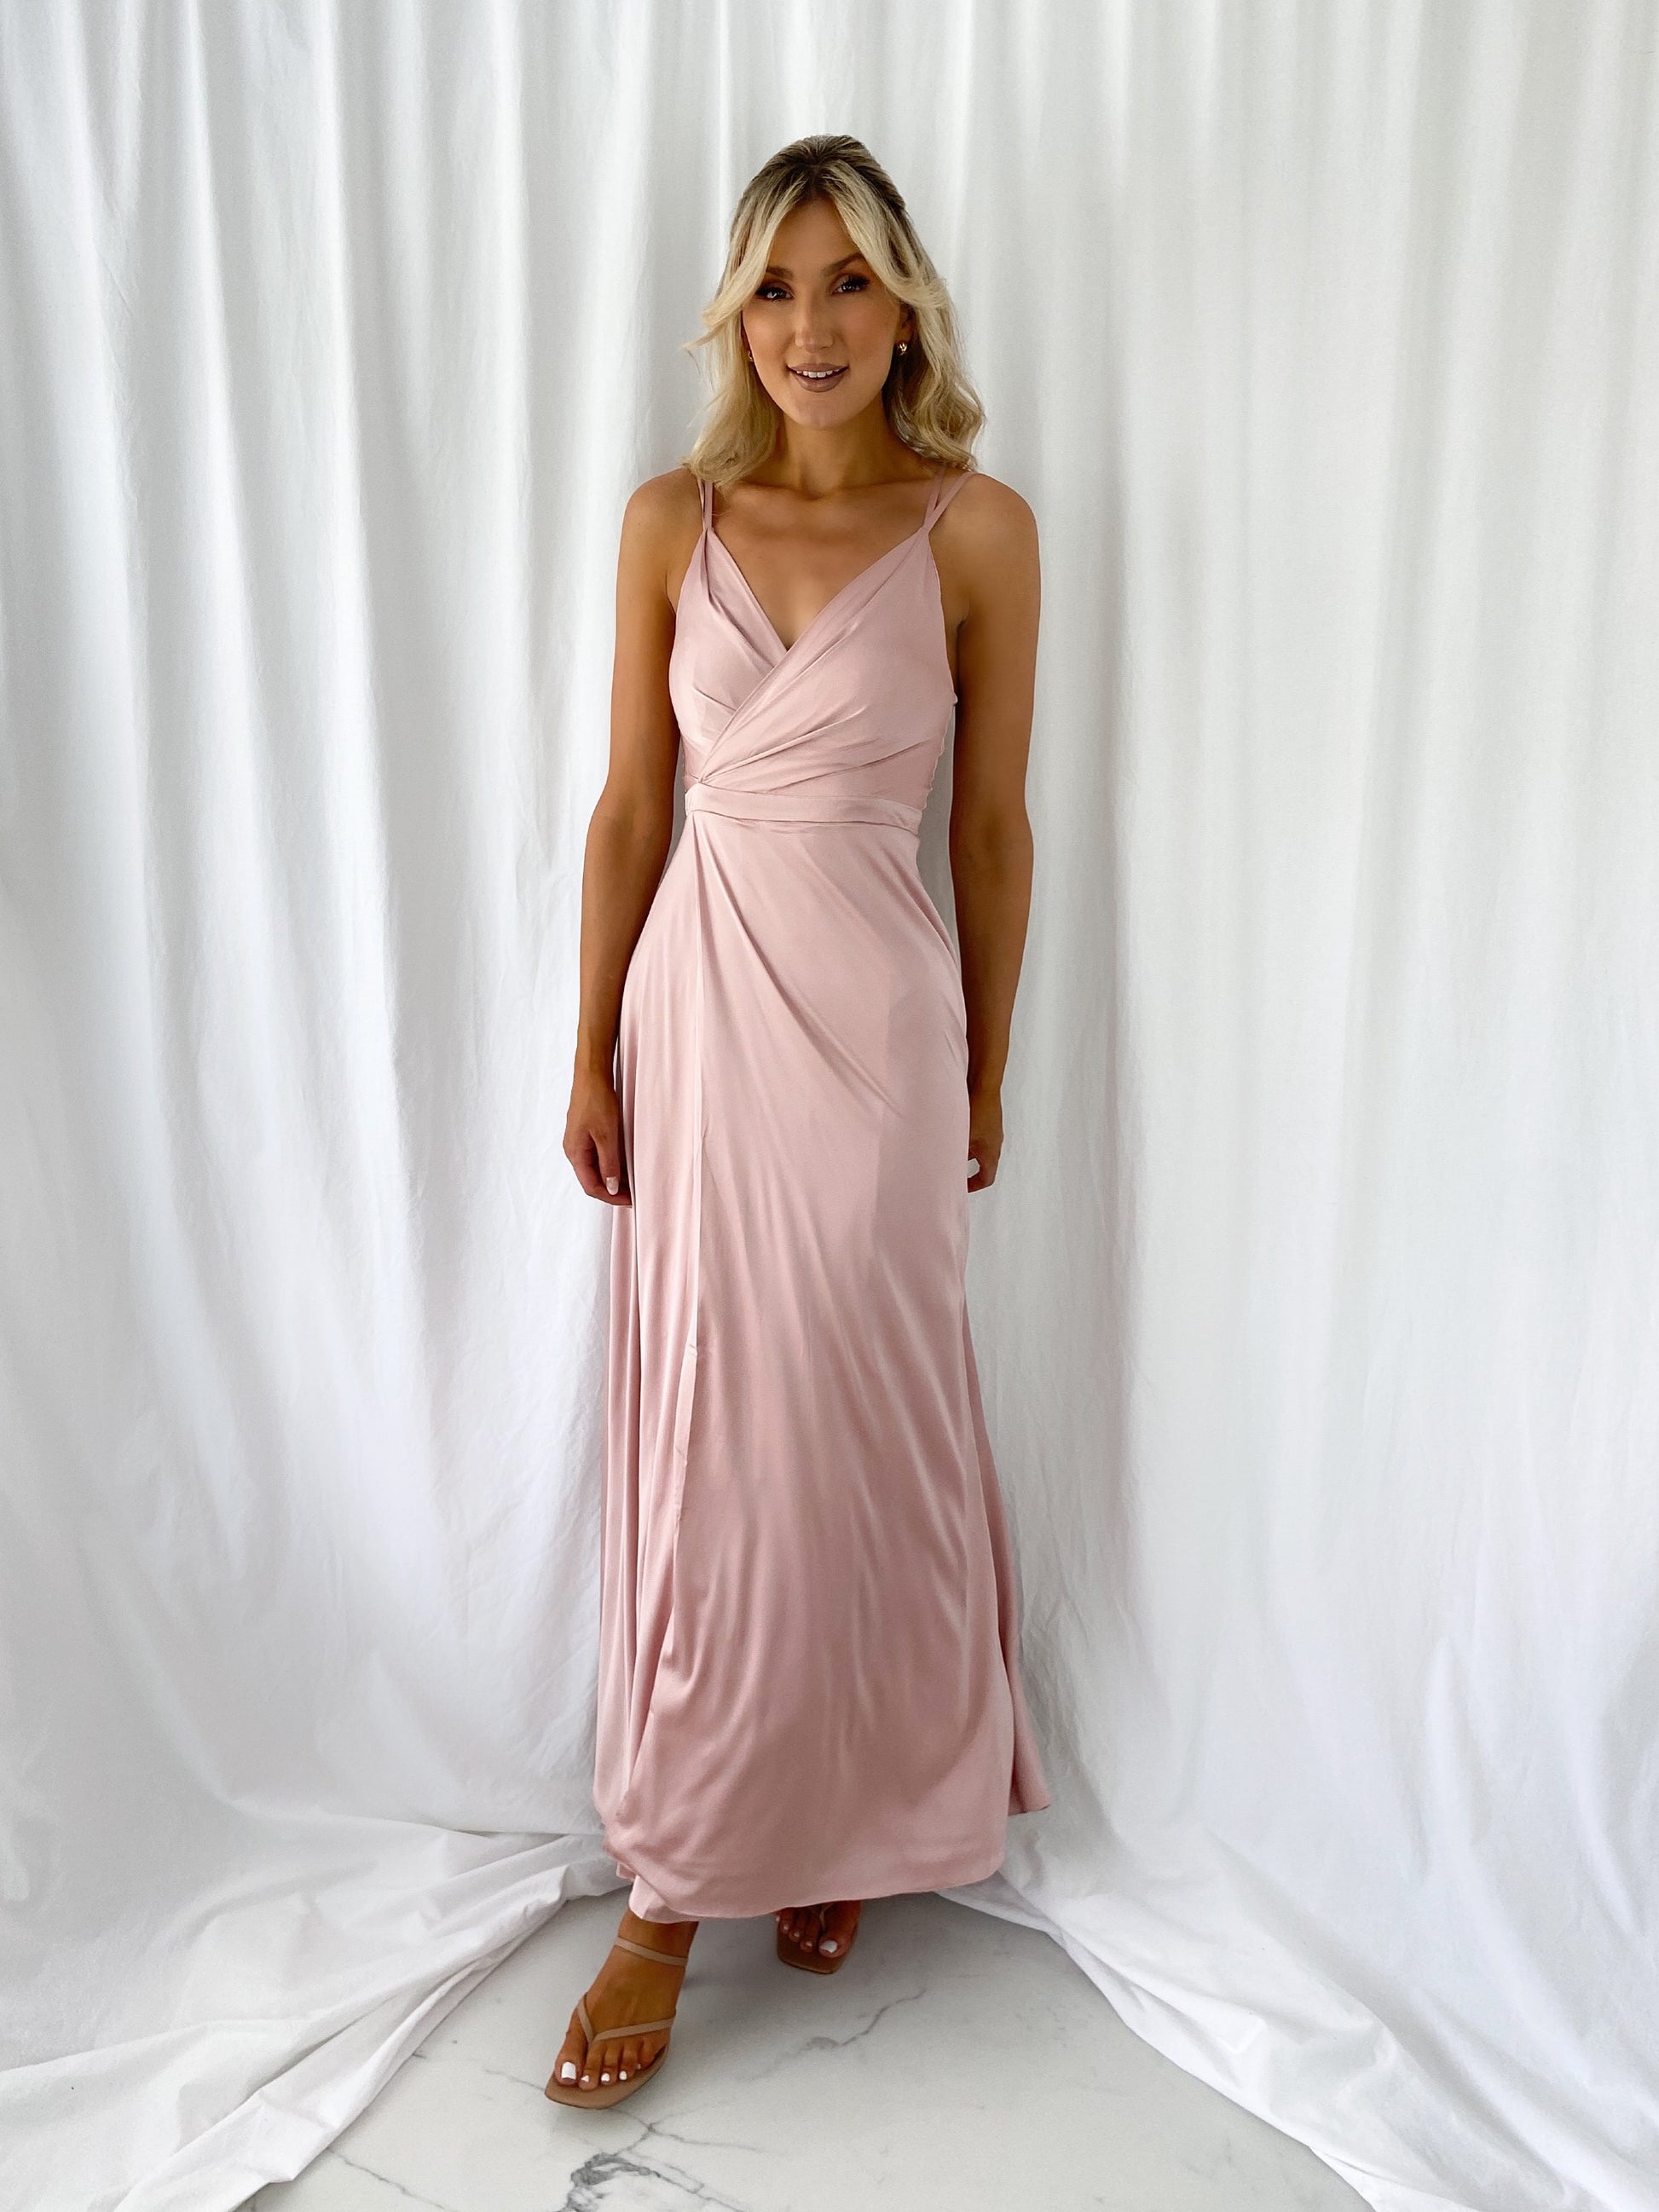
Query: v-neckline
point(830, 604)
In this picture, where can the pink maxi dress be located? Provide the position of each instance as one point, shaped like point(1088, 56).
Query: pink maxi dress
point(808, 1682)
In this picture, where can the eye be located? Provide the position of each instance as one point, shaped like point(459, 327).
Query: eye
point(770, 288)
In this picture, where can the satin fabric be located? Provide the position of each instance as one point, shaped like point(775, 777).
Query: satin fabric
point(809, 1685)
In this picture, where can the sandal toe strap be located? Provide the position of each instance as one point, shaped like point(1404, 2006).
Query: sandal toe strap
point(633, 2027)
point(610, 2034)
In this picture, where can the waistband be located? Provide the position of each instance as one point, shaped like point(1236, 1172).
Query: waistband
point(799, 806)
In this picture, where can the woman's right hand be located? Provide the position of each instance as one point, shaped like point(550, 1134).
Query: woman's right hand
point(592, 1138)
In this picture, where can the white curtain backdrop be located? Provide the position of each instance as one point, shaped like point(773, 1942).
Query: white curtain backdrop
point(1317, 1298)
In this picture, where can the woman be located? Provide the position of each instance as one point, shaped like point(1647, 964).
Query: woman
point(808, 1680)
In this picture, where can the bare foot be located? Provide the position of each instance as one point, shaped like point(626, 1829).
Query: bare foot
point(626, 1988)
point(826, 1929)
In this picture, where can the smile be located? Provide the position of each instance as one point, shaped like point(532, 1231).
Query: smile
point(818, 379)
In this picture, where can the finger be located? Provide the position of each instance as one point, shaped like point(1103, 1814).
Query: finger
point(583, 1162)
point(610, 1165)
point(587, 1158)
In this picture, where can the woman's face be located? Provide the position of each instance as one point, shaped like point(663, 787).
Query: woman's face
point(821, 305)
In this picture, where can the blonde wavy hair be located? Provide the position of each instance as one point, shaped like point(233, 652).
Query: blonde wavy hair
point(929, 402)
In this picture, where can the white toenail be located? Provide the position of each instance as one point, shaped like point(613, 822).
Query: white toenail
point(568, 2071)
point(829, 1943)
point(604, 2077)
point(622, 2073)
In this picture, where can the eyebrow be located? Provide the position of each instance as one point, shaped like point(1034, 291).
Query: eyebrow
point(777, 268)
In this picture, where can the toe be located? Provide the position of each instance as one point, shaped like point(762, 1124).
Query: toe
point(567, 2066)
point(838, 1921)
point(574, 2053)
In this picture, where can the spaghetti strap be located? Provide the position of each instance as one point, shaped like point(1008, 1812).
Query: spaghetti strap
point(942, 495)
point(706, 494)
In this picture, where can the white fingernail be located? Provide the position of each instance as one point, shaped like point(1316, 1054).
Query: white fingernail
point(611, 1183)
point(568, 2071)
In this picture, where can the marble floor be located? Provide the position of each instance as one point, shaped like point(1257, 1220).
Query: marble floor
point(956, 2063)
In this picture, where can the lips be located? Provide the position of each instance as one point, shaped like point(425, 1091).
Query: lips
point(811, 382)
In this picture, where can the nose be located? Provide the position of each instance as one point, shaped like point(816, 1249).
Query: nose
point(812, 325)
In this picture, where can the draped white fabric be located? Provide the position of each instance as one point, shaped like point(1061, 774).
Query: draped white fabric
point(1315, 1300)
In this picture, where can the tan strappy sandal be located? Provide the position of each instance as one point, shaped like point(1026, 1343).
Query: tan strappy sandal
point(814, 1962)
point(612, 2092)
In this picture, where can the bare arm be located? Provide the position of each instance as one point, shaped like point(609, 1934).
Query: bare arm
point(995, 563)
point(632, 825)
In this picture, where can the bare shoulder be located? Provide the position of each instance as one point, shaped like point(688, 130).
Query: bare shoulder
point(664, 502)
point(659, 528)
point(989, 499)
point(659, 511)
point(986, 552)
point(989, 530)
